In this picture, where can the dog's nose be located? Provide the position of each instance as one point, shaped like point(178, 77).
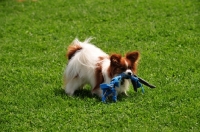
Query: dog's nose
point(129, 73)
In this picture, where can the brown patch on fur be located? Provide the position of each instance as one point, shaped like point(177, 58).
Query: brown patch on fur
point(101, 58)
point(72, 49)
point(115, 61)
point(98, 74)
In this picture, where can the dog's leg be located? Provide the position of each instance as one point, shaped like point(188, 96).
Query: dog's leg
point(73, 85)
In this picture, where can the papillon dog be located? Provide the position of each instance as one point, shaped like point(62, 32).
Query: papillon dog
point(88, 64)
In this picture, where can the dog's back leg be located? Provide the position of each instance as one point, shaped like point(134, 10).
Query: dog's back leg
point(73, 85)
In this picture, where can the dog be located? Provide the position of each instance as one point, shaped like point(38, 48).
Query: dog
point(88, 64)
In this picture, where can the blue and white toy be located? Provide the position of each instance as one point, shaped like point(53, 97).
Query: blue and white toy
point(109, 89)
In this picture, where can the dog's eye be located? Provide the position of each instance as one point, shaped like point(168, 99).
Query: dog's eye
point(129, 67)
point(123, 68)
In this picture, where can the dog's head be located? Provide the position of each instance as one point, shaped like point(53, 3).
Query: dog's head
point(127, 64)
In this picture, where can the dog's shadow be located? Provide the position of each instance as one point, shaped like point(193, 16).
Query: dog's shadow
point(85, 93)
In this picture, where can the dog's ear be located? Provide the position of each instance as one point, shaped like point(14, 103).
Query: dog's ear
point(133, 56)
point(115, 59)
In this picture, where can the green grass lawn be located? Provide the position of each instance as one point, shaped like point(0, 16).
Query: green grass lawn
point(34, 36)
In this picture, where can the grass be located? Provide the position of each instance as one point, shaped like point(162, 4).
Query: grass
point(33, 40)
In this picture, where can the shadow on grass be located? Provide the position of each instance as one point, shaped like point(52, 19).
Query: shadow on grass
point(85, 93)
point(60, 92)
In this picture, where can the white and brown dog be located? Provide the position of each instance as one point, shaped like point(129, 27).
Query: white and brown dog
point(88, 64)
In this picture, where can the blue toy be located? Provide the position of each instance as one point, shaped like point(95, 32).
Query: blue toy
point(116, 82)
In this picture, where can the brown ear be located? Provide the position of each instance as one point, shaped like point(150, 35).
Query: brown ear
point(133, 56)
point(115, 59)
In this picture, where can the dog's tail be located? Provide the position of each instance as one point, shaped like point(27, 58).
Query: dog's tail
point(76, 46)
point(73, 48)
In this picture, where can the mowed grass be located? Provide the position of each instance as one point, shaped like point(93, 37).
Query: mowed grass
point(34, 36)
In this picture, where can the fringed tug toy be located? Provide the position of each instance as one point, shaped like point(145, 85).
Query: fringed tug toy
point(109, 89)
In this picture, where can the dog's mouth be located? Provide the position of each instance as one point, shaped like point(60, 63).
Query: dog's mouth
point(127, 72)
